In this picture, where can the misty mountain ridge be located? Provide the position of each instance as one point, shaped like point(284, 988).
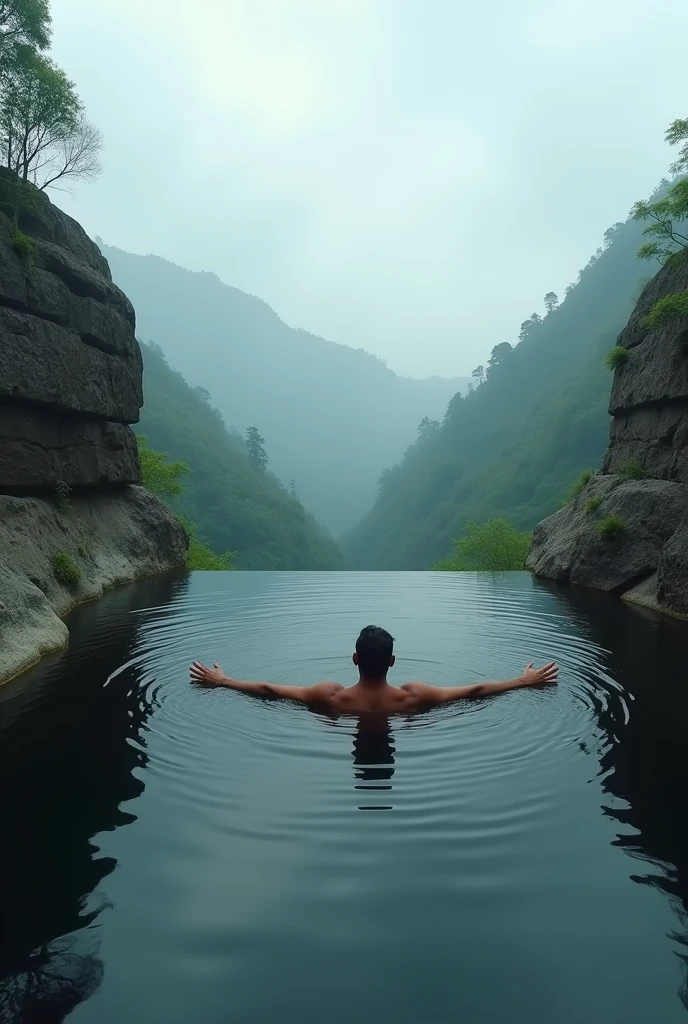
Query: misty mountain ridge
point(513, 447)
point(333, 417)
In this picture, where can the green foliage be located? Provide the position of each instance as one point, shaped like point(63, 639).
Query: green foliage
point(45, 136)
point(24, 22)
point(236, 508)
point(592, 504)
point(23, 245)
point(666, 237)
point(632, 469)
point(617, 357)
point(427, 429)
point(157, 474)
point(514, 446)
point(668, 310)
point(675, 133)
point(530, 326)
point(255, 448)
point(65, 570)
point(579, 484)
point(551, 301)
point(62, 495)
point(82, 552)
point(307, 396)
point(165, 479)
point(494, 546)
point(500, 353)
point(612, 528)
point(200, 556)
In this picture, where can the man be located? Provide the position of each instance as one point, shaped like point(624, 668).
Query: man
point(372, 693)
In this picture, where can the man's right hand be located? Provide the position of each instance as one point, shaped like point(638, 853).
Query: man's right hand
point(540, 676)
point(206, 676)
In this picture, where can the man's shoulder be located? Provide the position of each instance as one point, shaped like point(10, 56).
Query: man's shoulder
point(420, 694)
point(327, 688)
point(415, 687)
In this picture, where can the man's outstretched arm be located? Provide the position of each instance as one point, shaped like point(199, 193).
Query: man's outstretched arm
point(215, 677)
point(445, 694)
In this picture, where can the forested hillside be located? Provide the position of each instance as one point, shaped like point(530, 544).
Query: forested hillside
point(332, 417)
point(512, 447)
point(236, 506)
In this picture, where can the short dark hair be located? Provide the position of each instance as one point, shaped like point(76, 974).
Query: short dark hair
point(374, 649)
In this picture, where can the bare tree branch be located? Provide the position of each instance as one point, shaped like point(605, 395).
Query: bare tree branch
point(75, 156)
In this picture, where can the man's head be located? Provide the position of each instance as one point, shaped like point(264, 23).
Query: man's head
point(374, 652)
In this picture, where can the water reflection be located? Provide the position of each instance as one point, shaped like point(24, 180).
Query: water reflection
point(50, 983)
point(643, 760)
point(373, 755)
point(258, 858)
point(65, 746)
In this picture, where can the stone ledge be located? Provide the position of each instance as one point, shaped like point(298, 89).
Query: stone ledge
point(113, 538)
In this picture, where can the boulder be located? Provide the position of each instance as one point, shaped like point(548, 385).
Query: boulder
point(569, 546)
point(672, 576)
point(644, 476)
point(119, 537)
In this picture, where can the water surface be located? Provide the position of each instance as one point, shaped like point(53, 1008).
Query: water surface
point(172, 854)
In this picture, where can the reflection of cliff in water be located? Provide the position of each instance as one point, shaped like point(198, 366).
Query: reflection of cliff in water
point(643, 762)
point(66, 766)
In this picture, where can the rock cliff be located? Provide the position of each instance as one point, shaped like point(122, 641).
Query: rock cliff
point(70, 385)
point(627, 530)
point(70, 372)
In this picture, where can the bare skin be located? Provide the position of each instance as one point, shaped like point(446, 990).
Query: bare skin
point(373, 695)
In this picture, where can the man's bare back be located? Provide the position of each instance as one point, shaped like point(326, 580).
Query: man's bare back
point(372, 693)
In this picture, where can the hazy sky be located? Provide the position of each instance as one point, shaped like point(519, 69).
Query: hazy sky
point(406, 176)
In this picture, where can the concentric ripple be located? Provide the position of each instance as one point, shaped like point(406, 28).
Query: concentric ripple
point(472, 781)
point(453, 865)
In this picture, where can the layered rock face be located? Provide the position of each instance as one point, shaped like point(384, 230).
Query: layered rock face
point(70, 383)
point(644, 476)
point(70, 365)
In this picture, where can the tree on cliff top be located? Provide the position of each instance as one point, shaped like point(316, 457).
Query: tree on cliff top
point(24, 21)
point(46, 137)
point(675, 133)
point(668, 213)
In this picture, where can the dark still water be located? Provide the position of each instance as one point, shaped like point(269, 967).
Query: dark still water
point(175, 855)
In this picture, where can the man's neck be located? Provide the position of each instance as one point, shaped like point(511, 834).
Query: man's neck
point(372, 682)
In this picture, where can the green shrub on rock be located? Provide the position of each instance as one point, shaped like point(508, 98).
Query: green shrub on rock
point(617, 357)
point(612, 528)
point(632, 469)
point(669, 310)
point(23, 245)
point(592, 504)
point(65, 570)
